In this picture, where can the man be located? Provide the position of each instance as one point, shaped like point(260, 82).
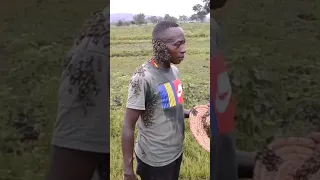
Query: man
point(80, 143)
point(155, 97)
point(226, 162)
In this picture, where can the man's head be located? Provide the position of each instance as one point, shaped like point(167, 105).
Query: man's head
point(217, 4)
point(168, 43)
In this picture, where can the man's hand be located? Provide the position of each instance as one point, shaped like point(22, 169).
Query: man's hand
point(129, 123)
point(129, 175)
point(186, 113)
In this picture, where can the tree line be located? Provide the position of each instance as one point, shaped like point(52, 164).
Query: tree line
point(201, 12)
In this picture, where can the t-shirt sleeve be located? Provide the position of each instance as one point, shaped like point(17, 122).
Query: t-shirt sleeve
point(137, 92)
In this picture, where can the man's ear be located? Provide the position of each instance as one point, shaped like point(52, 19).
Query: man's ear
point(217, 4)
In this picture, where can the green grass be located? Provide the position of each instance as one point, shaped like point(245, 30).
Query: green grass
point(34, 41)
point(274, 64)
point(130, 47)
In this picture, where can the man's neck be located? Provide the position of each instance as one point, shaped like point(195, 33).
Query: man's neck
point(163, 65)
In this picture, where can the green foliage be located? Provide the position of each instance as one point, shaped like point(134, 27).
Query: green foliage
point(123, 23)
point(154, 19)
point(206, 6)
point(183, 18)
point(194, 17)
point(167, 17)
point(201, 11)
point(119, 23)
point(139, 19)
point(274, 78)
point(34, 43)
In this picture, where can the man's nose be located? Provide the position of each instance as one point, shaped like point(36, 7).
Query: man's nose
point(183, 49)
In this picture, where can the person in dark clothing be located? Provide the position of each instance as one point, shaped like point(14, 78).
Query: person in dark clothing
point(226, 162)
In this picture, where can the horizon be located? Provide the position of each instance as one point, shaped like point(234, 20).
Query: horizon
point(176, 8)
point(208, 15)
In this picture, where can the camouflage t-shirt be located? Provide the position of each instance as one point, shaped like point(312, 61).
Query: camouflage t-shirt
point(158, 92)
point(83, 120)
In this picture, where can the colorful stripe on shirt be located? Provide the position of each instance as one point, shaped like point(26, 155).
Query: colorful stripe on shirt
point(171, 94)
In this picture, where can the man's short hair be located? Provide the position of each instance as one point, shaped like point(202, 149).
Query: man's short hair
point(161, 27)
point(217, 4)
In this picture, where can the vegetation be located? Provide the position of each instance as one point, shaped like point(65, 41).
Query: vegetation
point(130, 47)
point(274, 64)
point(141, 19)
point(201, 11)
point(35, 38)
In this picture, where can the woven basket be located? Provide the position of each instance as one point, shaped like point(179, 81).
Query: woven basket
point(294, 158)
point(200, 125)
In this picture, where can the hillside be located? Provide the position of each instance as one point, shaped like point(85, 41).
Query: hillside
point(123, 16)
point(129, 17)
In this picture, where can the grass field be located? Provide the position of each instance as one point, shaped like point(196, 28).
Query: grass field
point(275, 60)
point(34, 39)
point(130, 47)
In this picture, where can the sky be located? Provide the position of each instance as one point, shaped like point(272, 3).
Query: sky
point(154, 7)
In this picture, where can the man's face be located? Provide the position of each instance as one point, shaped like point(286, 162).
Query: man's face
point(175, 41)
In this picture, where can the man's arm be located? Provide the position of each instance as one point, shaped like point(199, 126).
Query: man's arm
point(130, 120)
point(135, 106)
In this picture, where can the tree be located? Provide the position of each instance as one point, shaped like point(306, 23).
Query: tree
point(201, 15)
point(126, 23)
point(167, 17)
point(206, 6)
point(183, 18)
point(202, 10)
point(119, 23)
point(197, 8)
point(160, 18)
point(153, 19)
point(194, 17)
point(139, 19)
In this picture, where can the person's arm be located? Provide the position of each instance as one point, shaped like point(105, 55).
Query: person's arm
point(135, 106)
point(130, 120)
